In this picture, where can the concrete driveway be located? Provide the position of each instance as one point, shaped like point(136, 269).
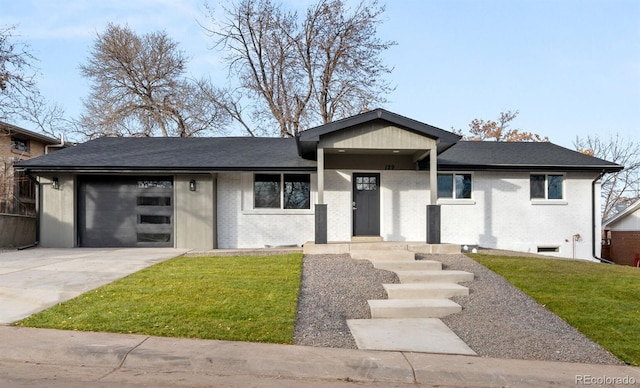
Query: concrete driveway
point(35, 279)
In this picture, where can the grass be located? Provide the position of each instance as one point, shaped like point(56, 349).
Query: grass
point(602, 301)
point(237, 298)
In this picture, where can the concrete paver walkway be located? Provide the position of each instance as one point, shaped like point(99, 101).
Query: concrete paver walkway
point(33, 279)
point(406, 321)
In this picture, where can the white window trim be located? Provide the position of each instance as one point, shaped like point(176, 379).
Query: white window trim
point(458, 201)
point(546, 200)
point(248, 198)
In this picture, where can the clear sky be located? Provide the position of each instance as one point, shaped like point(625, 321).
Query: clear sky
point(571, 67)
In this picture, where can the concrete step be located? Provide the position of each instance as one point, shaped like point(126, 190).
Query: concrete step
point(440, 249)
point(416, 265)
point(434, 276)
point(412, 308)
point(425, 290)
point(383, 255)
point(427, 335)
point(359, 239)
point(378, 246)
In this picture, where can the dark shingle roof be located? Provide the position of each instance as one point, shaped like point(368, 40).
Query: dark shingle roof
point(490, 155)
point(264, 154)
point(176, 154)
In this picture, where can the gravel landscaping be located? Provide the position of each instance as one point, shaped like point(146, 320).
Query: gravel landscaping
point(497, 319)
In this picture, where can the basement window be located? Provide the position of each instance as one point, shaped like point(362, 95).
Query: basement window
point(548, 249)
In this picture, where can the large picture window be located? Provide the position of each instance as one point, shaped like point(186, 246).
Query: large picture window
point(546, 186)
point(456, 186)
point(282, 191)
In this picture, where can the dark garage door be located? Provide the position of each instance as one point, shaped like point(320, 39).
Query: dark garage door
point(125, 211)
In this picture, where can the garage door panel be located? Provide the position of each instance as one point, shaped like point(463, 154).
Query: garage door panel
point(125, 211)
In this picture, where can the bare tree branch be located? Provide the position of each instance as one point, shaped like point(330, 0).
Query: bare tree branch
point(139, 89)
point(303, 71)
point(618, 189)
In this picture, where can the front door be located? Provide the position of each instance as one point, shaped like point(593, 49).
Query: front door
point(366, 204)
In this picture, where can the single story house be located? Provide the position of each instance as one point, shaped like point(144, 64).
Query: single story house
point(373, 174)
point(622, 236)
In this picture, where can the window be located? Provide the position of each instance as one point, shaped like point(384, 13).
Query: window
point(153, 219)
point(457, 186)
point(20, 145)
point(366, 183)
point(282, 191)
point(154, 201)
point(546, 186)
point(150, 184)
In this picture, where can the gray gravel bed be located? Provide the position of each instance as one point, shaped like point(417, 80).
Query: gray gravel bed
point(497, 319)
point(336, 288)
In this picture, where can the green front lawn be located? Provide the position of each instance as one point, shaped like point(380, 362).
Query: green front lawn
point(602, 301)
point(238, 298)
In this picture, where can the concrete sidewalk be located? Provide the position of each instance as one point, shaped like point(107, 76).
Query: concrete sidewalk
point(52, 358)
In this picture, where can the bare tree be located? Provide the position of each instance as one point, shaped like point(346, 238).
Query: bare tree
point(499, 130)
point(295, 71)
point(139, 89)
point(622, 188)
point(17, 73)
point(20, 98)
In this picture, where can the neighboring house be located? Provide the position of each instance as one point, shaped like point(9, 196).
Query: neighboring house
point(17, 194)
point(17, 190)
point(374, 174)
point(622, 236)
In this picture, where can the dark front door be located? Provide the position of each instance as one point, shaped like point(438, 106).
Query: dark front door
point(366, 204)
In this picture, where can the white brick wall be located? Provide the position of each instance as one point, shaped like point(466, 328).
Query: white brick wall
point(404, 198)
point(239, 226)
point(500, 214)
point(504, 217)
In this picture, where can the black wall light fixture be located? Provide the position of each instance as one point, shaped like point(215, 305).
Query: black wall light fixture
point(192, 185)
point(55, 183)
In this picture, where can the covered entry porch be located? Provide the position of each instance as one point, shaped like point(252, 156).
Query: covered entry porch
point(372, 180)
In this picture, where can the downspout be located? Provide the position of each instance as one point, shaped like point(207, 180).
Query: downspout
point(62, 144)
point(593, 219)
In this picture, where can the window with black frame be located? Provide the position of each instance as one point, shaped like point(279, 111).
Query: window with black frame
point(455, 186)
point(282, 191)
point(544, 186)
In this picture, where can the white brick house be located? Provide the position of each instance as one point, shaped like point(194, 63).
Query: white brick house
point(376, 173)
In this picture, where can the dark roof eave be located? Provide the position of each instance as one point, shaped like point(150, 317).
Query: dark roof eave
point(163, 170)
point(522, 167)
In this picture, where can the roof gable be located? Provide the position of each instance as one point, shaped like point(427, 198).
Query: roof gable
point(309, 138)
point(632, 211)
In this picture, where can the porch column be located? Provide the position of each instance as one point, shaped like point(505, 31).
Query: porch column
point(320, 207)
point(433, 209)
point(433, 175)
